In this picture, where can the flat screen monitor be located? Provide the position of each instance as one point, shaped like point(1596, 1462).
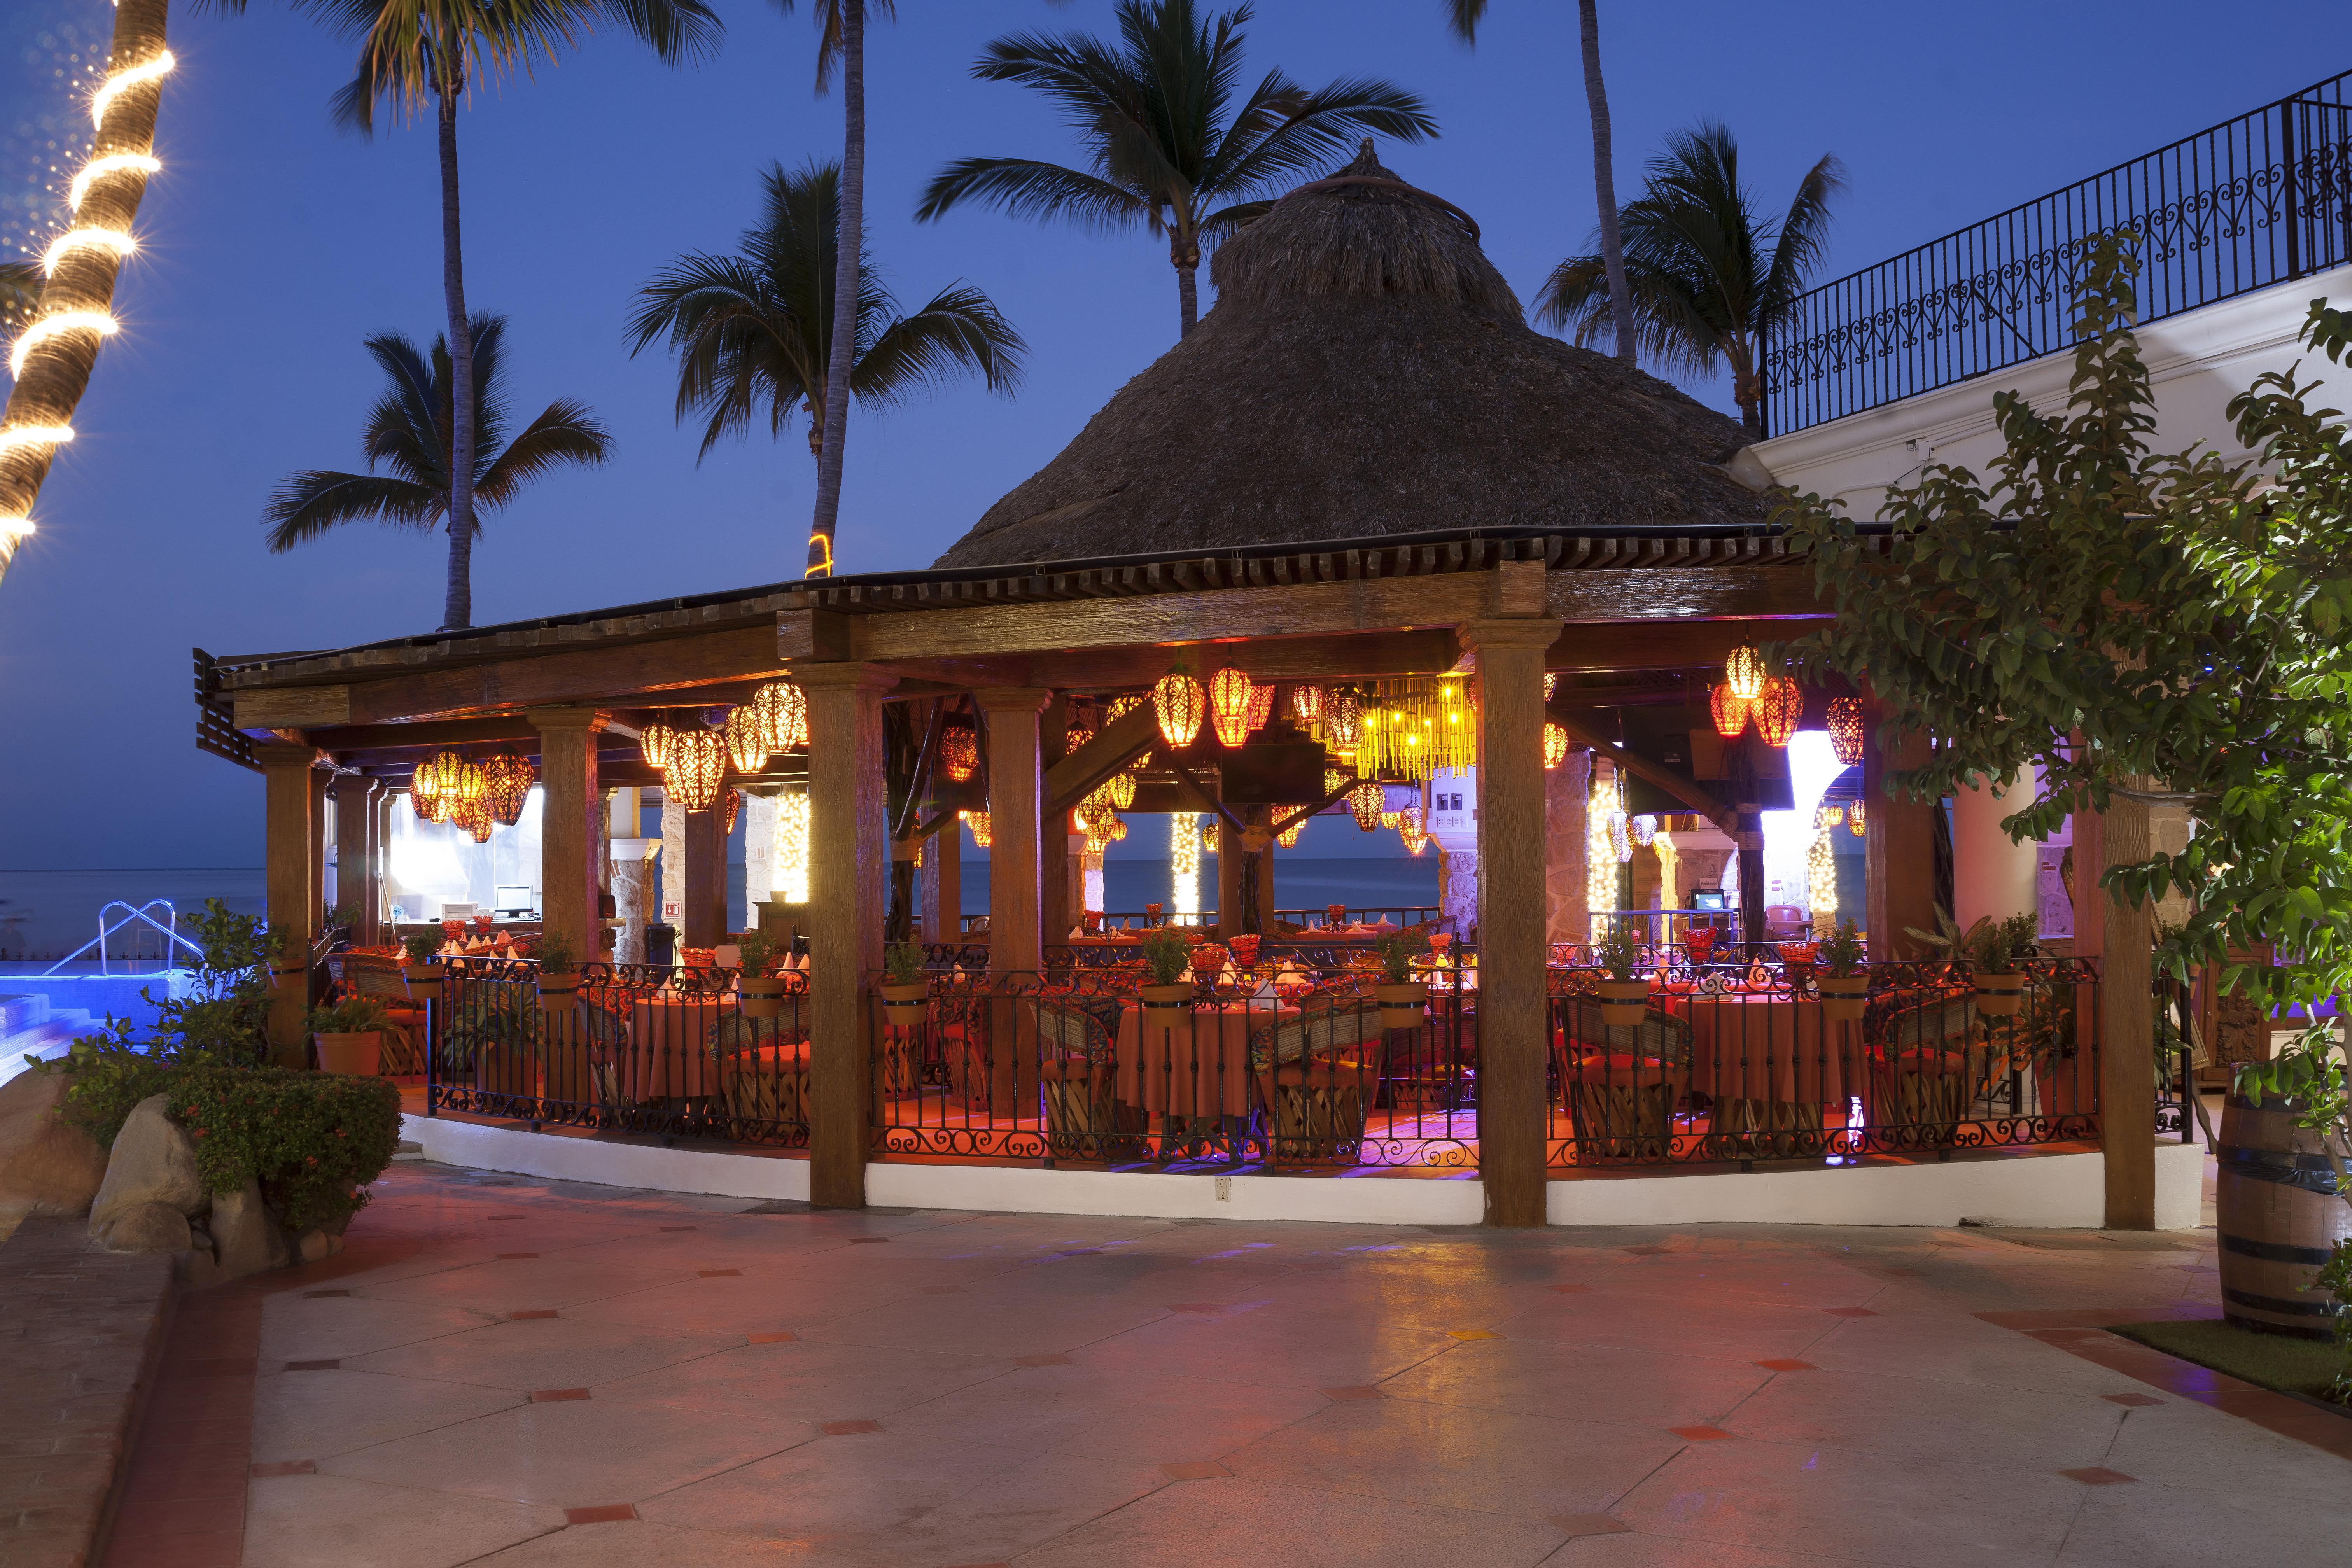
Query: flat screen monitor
point(1707, 901)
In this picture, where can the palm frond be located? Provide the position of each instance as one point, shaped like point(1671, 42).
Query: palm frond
point(1804, 239)
point(1464, 17)
point(305, 505)
point(1020, 187)
point(409, 425)
point(565, 432)
point(1305, 131)
point(961, 332)
point(1667, 330)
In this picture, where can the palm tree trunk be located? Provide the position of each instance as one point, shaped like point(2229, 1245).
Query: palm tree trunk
point(1184, 252)
point(457, 607)
point(57, 371)
point(1604, 184)
point(847, 254)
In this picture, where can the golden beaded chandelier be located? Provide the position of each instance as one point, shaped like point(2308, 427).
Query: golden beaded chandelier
point(1229, 703)
point(1847, 736)
point(1364, 804)
point(1307, 702)
point(697, 770)
point(978, 822)
point(1780, 709)
point(782, 708)
point(1179, 705)
point(507, 778)
point(1729, 711)
point(749, 739)
point(654, 741)
point(960, 748)
point(1745, 673)
point(1555, 746)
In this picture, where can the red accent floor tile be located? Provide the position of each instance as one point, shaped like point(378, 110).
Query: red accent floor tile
point(1700, 1434)
point(779, 1336)
point(534, 1312)
point(335, 1365)
point(2135, 1400)
point(1644, 1251)
point(1784, 1363)
point(868, 1240)
point(716, 1273)
point(515, 1256)
point(848, 1429)
point(556, 1395)
point(1585, 1524)
point(1849, 1311)
point(1194, 1307)
point(287, 1467)
point(1353, 1392)
point(1041, 1361)
point(603, 1513)
point(2098, 1476)
point(1197, 1470)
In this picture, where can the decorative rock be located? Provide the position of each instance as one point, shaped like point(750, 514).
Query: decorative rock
point(316, 1243)
point(246, 1239)
point(197, 1266)
point(143, 1228)
point(153, 1162)
point(47, 1166)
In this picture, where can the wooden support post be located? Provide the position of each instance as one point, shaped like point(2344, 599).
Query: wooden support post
point(2117, 937)
point(1016, 866)
point(703, 921)
point(1231, 862)
point(290, 836)
point(1057, 911)
point(1898, 848)
point(570, 802)
point(320, 780)
point(354, 859)
point(849, 864)
point(1514, 1026)
point(943, 883)
point(1263, 816)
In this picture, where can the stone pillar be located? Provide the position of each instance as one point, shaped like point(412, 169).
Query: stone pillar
point(1016, 866)
point(759, 854)
point(1514, 1027)
point(849, 864)
point(704, 921)
point(569, 836)
point(1899, 847)
point(1991, 876)
point(673, 863)
point(1567, 847)
point(291, 848)
point(633, 871)
point(2117, 937)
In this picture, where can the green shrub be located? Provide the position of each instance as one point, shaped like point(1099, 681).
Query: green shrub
point(1397, 954)
point(556, 952)
point(420, 947)
point(1841, 952)
point(1620, 951)
point(754, 951)
point(1166, 958)
point(902, 963)
point(351, 1016)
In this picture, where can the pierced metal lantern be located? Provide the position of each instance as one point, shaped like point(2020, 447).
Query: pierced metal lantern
point(1364, 804)
point(1847, 735)
point(1780, 709)
point(1307, 702)
point(960, 748)
point(1853, 819)
point(1073, 738)
point(1391, 818)
point(734, 808)
point(1411, 827)
point(697, 770)
point(1343, 718)
point(1551, 683)
point(1829, 816)
point(782, 708)
point(1555, 746)
point(1745, 673)
point(1120, 707)
point(448, 773)
point(1288, 837)
point(1730, 710)
point(978, 822)
point(1180, 704)
point(427, 807)
point(1119, 788)
point(1333, 779)
point(748, 739)
point(507, 778)
point(1261, 707)
point(654, 741)
point(1097, 818)
point(1643, 830)
point(1229, 706)
point(474, 816)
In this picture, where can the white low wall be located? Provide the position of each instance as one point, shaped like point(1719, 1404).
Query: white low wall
point(2056, 1191)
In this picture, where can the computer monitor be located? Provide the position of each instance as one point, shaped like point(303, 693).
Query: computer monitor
point(514, 900)
point(1705, 898)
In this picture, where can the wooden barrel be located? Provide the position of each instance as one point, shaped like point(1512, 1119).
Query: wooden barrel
point(2278, 1218)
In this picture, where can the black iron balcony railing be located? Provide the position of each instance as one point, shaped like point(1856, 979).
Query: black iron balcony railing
point(2261, 199)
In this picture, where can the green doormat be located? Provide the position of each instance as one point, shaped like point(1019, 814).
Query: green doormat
point(2267, 1361)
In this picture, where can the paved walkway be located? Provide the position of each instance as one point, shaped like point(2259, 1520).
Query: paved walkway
point(534, 1375)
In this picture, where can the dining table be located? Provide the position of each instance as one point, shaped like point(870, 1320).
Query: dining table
point(1198, 1069)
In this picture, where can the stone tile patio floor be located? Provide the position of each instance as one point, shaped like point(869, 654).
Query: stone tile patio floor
point(509, 1371)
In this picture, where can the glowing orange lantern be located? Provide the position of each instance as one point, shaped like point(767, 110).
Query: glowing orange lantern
point(1343, 718)
point(1261, 707)
point(1745, 673)
point(734, 806)
point(697, 770)
point(1846, 734)
point(507, 779)
point(1179, 705)
point(978, 822)
point(1853, 819)
point(1778, 710)
point(746, 734)
point(654, 742)
point(1555, 746)
point(959, 749)
point(1229, 706)
point(782, 708)
point(1364, 804)
point(1729, 711)
point(1307, 702)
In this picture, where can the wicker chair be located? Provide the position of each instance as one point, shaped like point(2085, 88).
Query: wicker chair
point(1084, 1120)
point(1925, 1064)
point(606, 1033)
point(1317, 1076)
point(1621, 1082)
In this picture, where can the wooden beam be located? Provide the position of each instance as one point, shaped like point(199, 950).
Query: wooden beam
point(389, 737)
point(1070, 780)
point(1682, 594)
point(292, 708)
point(1666, 778)
point(1673, 645)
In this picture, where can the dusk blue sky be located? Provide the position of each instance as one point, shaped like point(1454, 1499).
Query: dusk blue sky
point(272, 244)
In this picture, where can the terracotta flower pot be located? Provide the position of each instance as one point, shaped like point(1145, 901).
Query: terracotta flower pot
point(763, 995)
point(2000, 995)
point(1624, 1002)
point(557, 988)
point(1401, 1002)
point(905, 1003)
point(359, 1054)
point(1844, 997)
point(1164, 1006)
point(424, 980)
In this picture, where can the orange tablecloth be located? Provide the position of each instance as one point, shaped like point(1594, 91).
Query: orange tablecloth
point(669, 1055)
point(1201, 1067)
point(1762, 1046)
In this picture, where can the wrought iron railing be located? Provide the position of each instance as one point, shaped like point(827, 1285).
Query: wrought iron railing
point(2261, 199)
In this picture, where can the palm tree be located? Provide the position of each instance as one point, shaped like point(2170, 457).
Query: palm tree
point(754, 331)
point(1707, 278)
point(841, 26)
point(1164, 140)
point(411, 432)
point(416, 53)
point(1466, 15)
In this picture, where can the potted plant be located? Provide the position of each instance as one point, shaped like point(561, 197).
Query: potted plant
point(559, 968)
point(763, 994)
point(1991, 949)
point(1402, 993)
point(423, 975)
point(1844, 983)
point(906, 990)
point(1624, 992)
point(348, 1037)
point(1167, 959)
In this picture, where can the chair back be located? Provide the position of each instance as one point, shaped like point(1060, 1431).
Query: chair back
point(1660, 1036)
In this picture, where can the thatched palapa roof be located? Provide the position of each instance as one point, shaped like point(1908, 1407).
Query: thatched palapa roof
point(1367, 372)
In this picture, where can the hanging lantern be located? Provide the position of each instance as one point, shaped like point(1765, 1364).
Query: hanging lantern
point(1118, 828)
point(1208, 841)
point(473, 817)
point(748, 739)
point(1120, 707)
point(1307, 702)
point(1729, 711)
point(697, 770)
point(1120, 790)
point(1551, 683)
point(1096, 817)
point(1391, 818)
point(1229, 705)
point(1846, 736)
point(1333, 779)
point(1555, 746)
point(782, 708)
point(507, 779)
point(978, 822)
point(1412, 828)
point(654, 742)
point(1778, 710)
point(1179, 705)
point(959, 749)
point(1261, 707)
point(733, 808)
point(1853, 819)
point(1745, 673)
point(1643, 830)
point(427, 807)
point(448, 773)
point(1343, 718)
point(1074, 739)
point(1828, 816)
point(1288, 837)
point(1364, 803)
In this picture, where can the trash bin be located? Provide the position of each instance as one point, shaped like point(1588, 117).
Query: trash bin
point(661, 946)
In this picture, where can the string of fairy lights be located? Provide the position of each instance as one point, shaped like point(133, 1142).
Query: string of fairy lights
point(50, 328)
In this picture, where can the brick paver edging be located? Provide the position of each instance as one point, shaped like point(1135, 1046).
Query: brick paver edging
point(81, 1338)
